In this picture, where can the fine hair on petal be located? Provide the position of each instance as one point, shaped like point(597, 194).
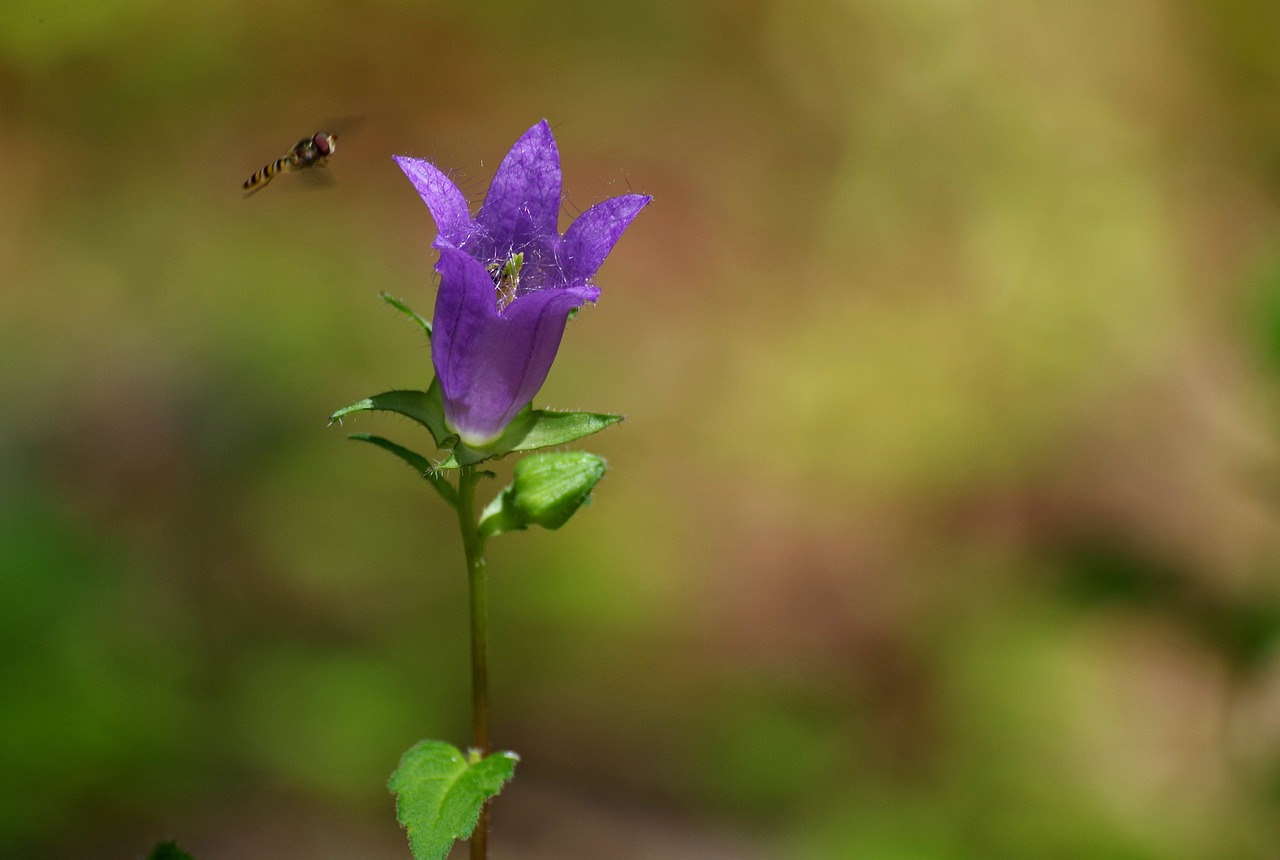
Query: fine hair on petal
point(472, 185)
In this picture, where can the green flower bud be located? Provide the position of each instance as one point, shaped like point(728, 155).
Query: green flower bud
point(548, 489)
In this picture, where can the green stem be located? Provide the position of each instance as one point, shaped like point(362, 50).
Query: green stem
point(473, 546)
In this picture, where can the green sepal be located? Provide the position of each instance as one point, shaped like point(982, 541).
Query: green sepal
point(407, 311)
point(420, 464)
point(532, 429)
point(424, 407)
point(546, 491)
point(529, 430)
point(439, 793)
point(168, 851)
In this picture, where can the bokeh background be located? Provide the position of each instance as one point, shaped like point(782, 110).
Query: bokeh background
point(944, 524)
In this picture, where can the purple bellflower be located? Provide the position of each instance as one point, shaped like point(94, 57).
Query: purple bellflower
point(509, 281)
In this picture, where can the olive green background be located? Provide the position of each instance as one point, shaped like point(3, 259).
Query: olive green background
point(944, 524)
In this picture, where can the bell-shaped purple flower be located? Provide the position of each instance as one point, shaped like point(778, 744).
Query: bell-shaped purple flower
point(509, 280)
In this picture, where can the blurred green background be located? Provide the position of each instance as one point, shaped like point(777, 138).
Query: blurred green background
point(944, 524)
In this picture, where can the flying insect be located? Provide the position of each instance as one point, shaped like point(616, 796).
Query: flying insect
point(311, 151)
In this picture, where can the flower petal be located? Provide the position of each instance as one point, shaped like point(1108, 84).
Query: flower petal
point(523, 203)
point(489, 364)
point(593, 234)
point(466, 305)
point(447, 204)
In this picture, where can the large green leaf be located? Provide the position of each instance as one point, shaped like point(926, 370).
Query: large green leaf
point(168, 851)
point(439, 793)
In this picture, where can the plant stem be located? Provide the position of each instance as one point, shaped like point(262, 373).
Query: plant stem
point(473, 546)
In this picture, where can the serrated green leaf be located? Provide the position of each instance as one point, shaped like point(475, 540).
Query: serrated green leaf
point(439, 794)
point(168, 851)
point(424, 407)
point(404, 309)
point(533, 429)
point(420, 464)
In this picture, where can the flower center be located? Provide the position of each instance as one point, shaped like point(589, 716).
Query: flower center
point(506, 279)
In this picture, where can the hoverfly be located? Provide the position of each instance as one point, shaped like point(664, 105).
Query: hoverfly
point(506, 278)
point(311, 151)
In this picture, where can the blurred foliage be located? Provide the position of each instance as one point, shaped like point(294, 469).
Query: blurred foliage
point(944, 523)
point(168, 851)
point(1244, 632)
